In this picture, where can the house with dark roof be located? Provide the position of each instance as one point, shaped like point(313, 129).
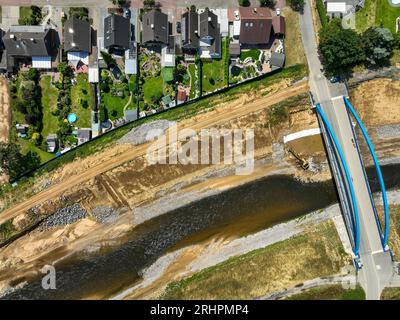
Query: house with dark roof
point(36, 45)
point(155, 27)
point(3, 53)
point(77, 35)
point(201, 33)
point(210, 36)
point(77, 40)
point(258, 26)
point(190, 31)
point(117, 32)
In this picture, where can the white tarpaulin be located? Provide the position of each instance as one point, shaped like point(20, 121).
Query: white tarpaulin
point(93, 74)
point(41, 62)
point(78, 56)
point(336, 7)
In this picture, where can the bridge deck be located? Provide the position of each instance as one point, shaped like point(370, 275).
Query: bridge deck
point(377, 264)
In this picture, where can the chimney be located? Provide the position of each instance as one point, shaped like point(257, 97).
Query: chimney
point(255, 10)
point(209, 19)
point(70, 30)
point(152, 26)
point(12, 36)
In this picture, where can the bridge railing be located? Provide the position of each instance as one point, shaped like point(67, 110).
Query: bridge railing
point(355, 218)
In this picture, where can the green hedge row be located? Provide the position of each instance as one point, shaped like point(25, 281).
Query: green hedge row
point(322, 13)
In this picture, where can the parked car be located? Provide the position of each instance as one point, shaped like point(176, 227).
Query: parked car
point(127, 13)
point(178, 27)
point(334, 79)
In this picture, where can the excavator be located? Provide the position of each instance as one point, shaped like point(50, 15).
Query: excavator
point(303, 163)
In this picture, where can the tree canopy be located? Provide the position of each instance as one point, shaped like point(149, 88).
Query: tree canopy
point(340, 49)
point(378, 44)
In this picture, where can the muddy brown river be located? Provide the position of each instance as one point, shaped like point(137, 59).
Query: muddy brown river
point(236, 212)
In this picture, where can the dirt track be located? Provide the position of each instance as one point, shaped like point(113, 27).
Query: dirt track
point(216, 117)
point(5, 117)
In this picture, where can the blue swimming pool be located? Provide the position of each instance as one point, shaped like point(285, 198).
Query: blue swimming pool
point(72, 118)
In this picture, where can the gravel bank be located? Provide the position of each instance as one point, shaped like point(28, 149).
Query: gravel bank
point(65, 216)
point(146, 132)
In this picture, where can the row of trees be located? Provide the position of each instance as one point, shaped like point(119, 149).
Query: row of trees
point(64, 102)
point(27, 100)
point(342, 49)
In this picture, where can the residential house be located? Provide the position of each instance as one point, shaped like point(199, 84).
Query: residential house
point(32, 45)
point(77, 40)
point(117, 33)
point(190, 31)
point(257, 26)
point(51, 141)
point(84, 135)
point(155, 27)
point(210, 36)
point(340, 8)
point(201, 34)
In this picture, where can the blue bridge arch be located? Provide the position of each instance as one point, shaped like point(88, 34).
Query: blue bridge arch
point(385, 232)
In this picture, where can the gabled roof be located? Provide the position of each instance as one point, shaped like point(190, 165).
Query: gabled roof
point(29, 41)
point(117, 31)
point(190, 29)
point(155, 27)
point(255, 26)
point(208, 24)
point(77, 35)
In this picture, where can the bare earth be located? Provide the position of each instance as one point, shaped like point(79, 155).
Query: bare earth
point(5, 117)
point(114, 158)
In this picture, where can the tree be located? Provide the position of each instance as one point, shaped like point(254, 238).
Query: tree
point(244, 3)
point(378, 45)
point(64, 68)
point(267, 3)
point(297, 5)
point(119, 3)
point(340, 49)
point(12, 162)
point(28, 89)
point(33, 74)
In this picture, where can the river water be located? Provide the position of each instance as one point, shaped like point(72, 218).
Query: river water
point(242, 210)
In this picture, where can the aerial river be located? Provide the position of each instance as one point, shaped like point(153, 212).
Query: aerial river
point(242, 210)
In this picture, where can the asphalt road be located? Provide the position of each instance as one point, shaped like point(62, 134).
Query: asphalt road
point(377, 265)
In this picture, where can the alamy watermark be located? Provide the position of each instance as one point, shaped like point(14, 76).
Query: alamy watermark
point(209, 146)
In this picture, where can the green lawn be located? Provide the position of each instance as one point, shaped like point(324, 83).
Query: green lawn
point(114, 104)
point(152, 87)
point(167, 74)
point(253, 53)
point(213, 75)
point(24, 12)
point(49, 104)
point(386, 15)
point(27, 146)
point(376, 13)
point(82, 91)
point(330, 292)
